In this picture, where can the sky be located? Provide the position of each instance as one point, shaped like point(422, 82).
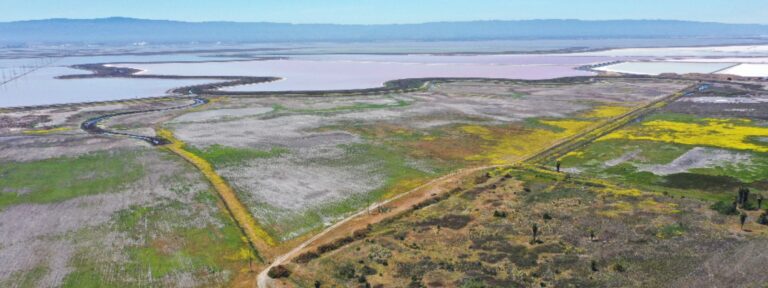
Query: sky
point(389, 11)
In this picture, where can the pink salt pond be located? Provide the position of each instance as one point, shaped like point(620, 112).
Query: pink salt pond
point(336, 72)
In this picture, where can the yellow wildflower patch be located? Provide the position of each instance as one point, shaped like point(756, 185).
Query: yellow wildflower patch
point(607, 112)
point(404, 186)
point(46, 131)
point(481, 131)
point(651, 205)
point(571, 126)
point(242, 254)
point(617, 209)
point(729, 134)
point(619, 191)
point(576, 154)
point(508, 147)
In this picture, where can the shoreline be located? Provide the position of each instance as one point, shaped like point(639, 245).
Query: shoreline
point(304, 45)
point(398, 85)
point(392, 86)
point(203, 90)
point(111, 70)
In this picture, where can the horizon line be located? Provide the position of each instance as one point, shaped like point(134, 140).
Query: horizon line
point(380, 24)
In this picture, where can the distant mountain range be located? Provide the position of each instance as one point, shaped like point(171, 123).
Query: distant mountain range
point(129, 30)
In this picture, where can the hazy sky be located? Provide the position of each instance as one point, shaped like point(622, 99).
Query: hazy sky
point(389, 11)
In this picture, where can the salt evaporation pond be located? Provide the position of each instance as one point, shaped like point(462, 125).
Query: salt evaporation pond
point(314, 72)
point(656, 68)
point(722, 59)
point(328, 72)
point(748, 70)
point(334, 72)
point(711, 51)
point(41, 88)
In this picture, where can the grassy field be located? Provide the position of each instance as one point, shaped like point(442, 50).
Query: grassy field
point(336, 155)
point(398, 174)
point(220, 155)
point(406, 158)
point(166, 248)
point(122, 218)
point(60, 179)
point(133, 215)
point(26, 279)
point(681, 154)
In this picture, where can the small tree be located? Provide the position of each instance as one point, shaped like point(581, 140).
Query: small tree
point(535, 230)
point(743, 196)
point(743, 219)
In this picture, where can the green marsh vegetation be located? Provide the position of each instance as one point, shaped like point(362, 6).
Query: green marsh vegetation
point(64, 178)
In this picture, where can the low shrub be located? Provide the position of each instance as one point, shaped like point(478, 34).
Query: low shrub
point(278, 271)
point(763, 219)
point(725, 208)
point(361, 233)
point(335, 245)
point(306, 257)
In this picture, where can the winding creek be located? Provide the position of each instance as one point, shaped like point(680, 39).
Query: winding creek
point(93, 125)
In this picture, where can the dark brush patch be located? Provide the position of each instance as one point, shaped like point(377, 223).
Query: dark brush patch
point(451, 221)
point(702, 182)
